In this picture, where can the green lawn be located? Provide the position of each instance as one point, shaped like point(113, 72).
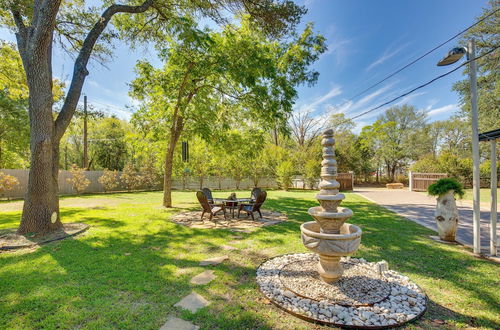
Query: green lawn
point(124, 272)
point(484, 193)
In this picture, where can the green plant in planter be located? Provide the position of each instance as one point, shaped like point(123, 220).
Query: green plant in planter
point(442, 186)
point(446, 214)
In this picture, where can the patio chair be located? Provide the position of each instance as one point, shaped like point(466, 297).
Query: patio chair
point(255, 192)
point(207, 192)
point(250, 208)
point(209, 208)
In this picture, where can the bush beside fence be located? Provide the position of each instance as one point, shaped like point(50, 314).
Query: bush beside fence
point(66, 188)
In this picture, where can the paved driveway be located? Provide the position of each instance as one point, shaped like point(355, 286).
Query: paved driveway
point(420, 208)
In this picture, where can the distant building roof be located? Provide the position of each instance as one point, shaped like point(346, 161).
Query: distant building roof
point(490, 135)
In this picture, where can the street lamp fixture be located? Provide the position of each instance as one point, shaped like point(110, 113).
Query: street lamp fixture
point(453, 56)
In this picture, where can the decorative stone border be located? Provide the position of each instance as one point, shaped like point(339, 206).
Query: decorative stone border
point(193, 219)
point(405, 303)
point(9, 240)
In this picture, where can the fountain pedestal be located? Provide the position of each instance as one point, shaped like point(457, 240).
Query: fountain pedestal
point(330, 236)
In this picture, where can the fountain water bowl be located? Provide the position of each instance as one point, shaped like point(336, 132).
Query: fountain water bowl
point(330, 237)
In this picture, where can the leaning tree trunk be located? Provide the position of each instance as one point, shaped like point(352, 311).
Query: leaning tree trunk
point(447, 216)
point(175, 133)
point(41, 203)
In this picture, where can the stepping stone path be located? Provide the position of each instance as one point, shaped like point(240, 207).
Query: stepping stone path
point(192, 302)
point(183, 271)
point(175, 323)
point(203, 278)
point(213, 261)
point(237, 237)
point(228, 247)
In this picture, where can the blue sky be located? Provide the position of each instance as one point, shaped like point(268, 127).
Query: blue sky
point(367, 40)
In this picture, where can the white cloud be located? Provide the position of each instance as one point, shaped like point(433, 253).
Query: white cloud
point(387, 55)
point(443, 109)
point(334, 91)
point(351, 107)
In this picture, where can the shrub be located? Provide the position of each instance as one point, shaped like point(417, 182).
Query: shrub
point(285, 172)
point(426, 164)
point(109, 180)
point(312, 172)
point(7, 182)
point(130, 178)
point(78, 179)
point(442, 186)
point(150, 177)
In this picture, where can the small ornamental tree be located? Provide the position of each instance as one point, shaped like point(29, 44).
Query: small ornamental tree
point(109, 180)
point(78, 179)
point(130, 178)
point(7, 183)
point(285, 173)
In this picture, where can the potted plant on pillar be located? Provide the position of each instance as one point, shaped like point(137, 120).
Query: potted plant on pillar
point(446, 209)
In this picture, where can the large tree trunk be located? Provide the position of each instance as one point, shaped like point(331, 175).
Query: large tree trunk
point(41, 203)
point(34, 39)
point(169, 162)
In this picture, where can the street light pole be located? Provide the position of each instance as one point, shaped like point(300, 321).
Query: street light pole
point(476, 181)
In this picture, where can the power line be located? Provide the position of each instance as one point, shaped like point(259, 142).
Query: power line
point(422, 86)
point(416, 60)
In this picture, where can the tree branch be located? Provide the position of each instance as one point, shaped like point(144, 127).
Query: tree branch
point(80, 69)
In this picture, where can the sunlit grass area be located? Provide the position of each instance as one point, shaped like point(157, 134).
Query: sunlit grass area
point(133, 264)
point(485, 195)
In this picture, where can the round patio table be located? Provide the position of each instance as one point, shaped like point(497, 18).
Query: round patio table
point(232, 204)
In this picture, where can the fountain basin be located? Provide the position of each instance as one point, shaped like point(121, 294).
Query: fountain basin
point(343, 244)
point(330, 222)
point(330, 247)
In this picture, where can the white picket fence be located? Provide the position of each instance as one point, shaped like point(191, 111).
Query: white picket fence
point(191, 183)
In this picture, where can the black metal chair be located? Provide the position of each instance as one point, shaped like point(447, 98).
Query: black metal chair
point(209, 208)
point(250, 208)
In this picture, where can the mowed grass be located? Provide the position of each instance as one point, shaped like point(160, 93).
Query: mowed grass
point(484, 195)
point(133, 264)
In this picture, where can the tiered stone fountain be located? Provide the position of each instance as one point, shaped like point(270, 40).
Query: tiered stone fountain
point(330, 236)
point(327, 287)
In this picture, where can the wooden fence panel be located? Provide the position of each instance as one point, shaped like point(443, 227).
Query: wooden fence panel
point(421, 181)
point(346, 181)
point(65, 188)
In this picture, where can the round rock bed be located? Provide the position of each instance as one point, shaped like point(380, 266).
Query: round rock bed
point(362, 298)
point(9, 240)
point(193, 219)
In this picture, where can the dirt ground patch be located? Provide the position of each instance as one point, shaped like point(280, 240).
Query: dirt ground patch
point(244, 223)
point(9, 240)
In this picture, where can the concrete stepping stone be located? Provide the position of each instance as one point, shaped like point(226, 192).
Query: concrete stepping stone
point(175, 323)
point(228, 247)
point(192, 302)
point(203, 278)
point(213, 261)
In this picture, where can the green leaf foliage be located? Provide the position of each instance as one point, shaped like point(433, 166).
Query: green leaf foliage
point(442, 186)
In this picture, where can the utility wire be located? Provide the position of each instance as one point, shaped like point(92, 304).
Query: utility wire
point(415, 60)
point(422, 86)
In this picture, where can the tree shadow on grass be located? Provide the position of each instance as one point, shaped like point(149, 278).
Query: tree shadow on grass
point(119, 276)
point(125, 278)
